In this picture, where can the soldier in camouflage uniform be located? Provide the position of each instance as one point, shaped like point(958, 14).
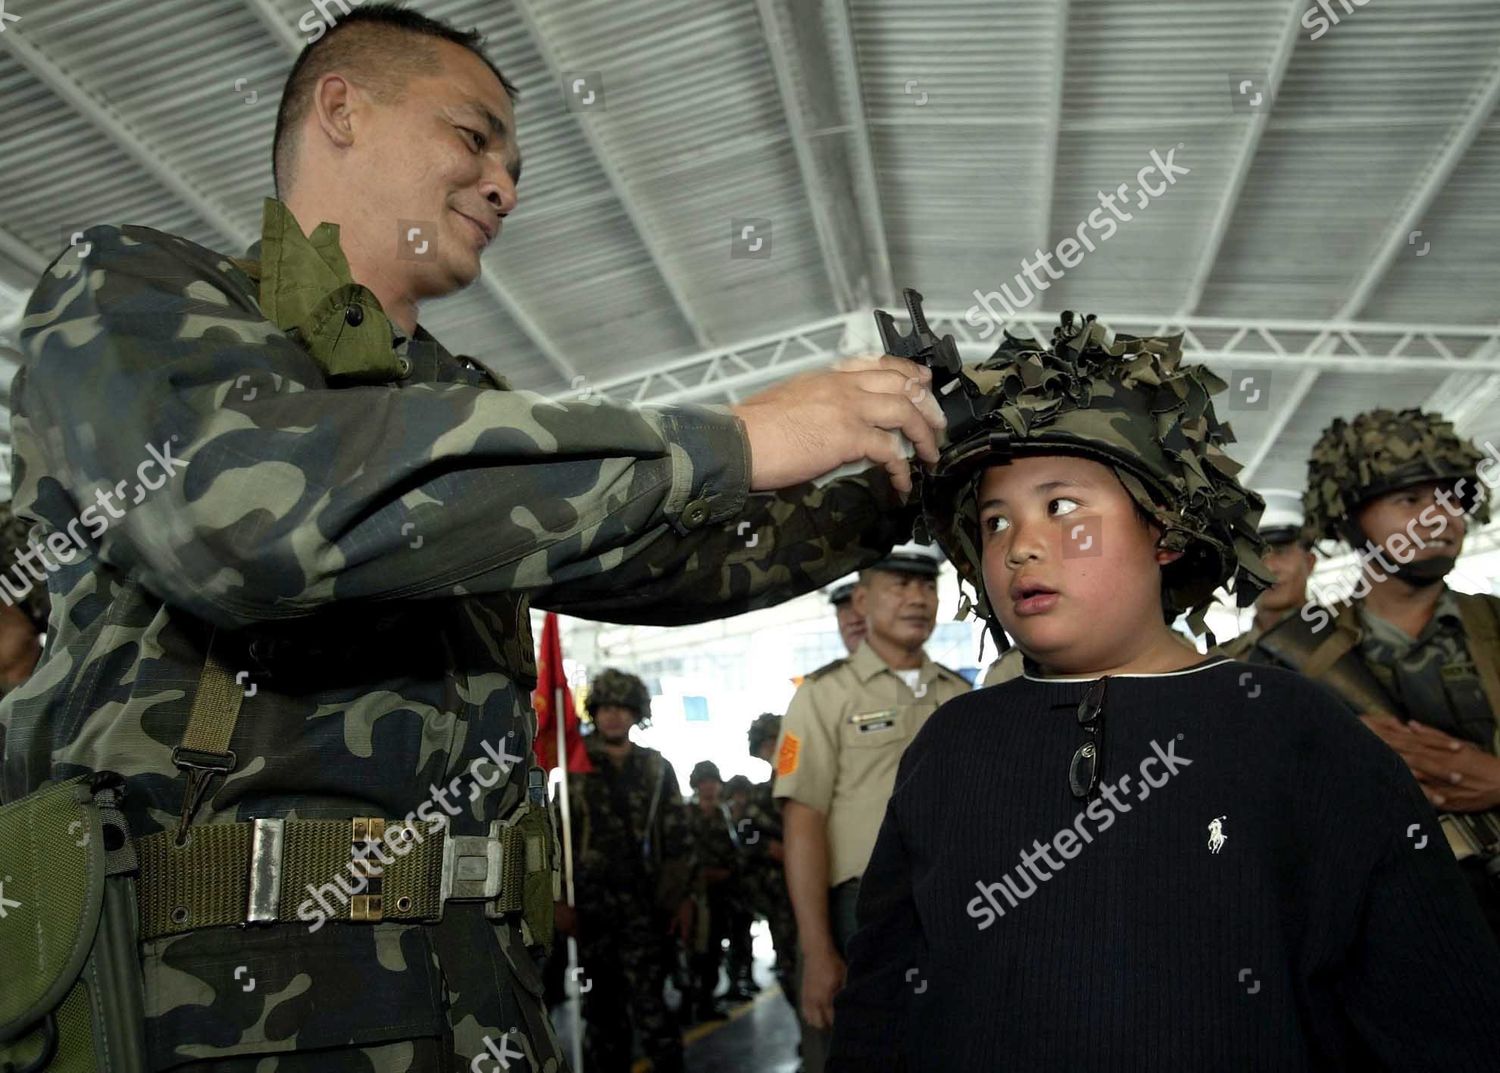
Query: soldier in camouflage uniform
point(1419, 661)
point(715, 871)
point(740, 962)
point(287, 480)
point(633, 861)
point(761, 838)
point(1290, 559)
point(23, 616)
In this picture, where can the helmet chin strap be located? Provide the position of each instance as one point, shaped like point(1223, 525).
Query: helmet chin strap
point(1420, 573)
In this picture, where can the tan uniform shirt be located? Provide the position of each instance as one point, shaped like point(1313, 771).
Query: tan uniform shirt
point(841, 740)
point(1004, 669)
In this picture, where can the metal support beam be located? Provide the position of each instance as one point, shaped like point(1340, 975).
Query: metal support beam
point(529, 11)
point(1223, 342)
point(862, 155)
point(1460, 139)
point(284, 33)
point(120, 132)
point(1053, 134)
point(1280, 60)
point(797, 43)
point(277, 24)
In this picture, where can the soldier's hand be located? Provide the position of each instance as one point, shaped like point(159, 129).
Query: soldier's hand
point(1455, 775)
point(814, 423)
point(822, 979)
point(776, 850)
point(565, 918)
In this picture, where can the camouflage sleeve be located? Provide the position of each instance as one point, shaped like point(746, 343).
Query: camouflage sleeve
point(294, 495)
point(779, 545)
point(679, 861)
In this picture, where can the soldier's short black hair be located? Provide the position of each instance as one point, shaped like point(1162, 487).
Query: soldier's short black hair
point(376, 41)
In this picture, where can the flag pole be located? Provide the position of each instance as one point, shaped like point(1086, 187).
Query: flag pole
point(575, 999)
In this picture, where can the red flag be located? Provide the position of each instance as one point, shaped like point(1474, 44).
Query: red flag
point(550, 682)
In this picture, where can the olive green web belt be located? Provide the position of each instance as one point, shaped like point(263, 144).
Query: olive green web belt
point(268, 870)
point(272, 870)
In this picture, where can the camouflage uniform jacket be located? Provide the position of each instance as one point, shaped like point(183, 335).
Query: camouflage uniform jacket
point(1433, 677)
point(629, 853)
point(713, 841)
point(765, 882)
point(365, 554)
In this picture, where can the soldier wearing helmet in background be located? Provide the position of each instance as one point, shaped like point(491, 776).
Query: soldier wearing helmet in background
point(762, 841)
point(633, 864)
point(740, 962)
point(851, 623)
point(1290, 558)
point(715, 869)
point(843, 736)
point(1419, 661)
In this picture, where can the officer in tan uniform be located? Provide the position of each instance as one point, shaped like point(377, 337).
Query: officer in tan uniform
point(841, 741)
point(851, 623)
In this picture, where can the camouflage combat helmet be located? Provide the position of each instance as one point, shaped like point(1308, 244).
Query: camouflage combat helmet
point(618, 687)
point(704, 769)
point(1129, 403)
point(1381, 451)
point(767, 727)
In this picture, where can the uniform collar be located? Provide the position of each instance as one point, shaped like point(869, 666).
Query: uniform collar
point(866, 664)
point(1444, 613)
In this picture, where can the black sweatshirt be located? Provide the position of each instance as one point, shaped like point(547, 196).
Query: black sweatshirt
point(1326, 927)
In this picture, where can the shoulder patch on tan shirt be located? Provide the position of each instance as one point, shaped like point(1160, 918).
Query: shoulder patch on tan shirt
point(786, 757)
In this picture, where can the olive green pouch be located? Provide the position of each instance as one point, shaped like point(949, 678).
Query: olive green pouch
point(71, 994)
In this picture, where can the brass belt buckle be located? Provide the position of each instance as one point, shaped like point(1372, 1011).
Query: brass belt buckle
point(364, 833)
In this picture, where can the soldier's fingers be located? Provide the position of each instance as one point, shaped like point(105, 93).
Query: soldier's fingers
point(884, 448)
point(900, 382)
point(860, 363)
point(1435, 736)
point(899, 413)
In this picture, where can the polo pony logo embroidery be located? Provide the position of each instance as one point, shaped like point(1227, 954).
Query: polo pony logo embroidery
point(1216, 835)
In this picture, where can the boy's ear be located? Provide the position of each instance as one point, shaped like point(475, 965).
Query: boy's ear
point(1163, 556)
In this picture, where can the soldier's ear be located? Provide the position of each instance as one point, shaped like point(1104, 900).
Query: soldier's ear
point(858, 600)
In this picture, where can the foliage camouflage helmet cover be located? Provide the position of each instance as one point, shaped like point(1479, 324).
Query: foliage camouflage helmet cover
point(618, 687)
point(1381, 451)
point(1133, 405)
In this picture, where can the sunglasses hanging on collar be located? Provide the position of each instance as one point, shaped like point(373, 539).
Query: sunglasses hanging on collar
point(1087, 765)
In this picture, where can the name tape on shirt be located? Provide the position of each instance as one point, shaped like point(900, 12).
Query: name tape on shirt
point(786, 756)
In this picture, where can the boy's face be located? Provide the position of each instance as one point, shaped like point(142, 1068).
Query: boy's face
point(1070, 568)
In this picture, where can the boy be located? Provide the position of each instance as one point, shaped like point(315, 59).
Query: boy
point(1135, 857)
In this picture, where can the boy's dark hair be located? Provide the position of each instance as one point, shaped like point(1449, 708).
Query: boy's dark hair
point(376, 44)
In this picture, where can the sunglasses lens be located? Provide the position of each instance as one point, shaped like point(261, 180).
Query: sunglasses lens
point(1083, 772)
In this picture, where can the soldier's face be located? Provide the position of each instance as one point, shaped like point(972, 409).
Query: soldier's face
point(1292, 565)
point(709, 791)
point(443, 160)
point(614, 721)
point(1424, 521)
point(852, 627)
point(1070, 568)
point(900, 609)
